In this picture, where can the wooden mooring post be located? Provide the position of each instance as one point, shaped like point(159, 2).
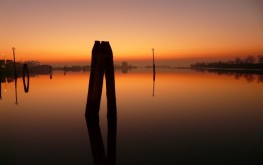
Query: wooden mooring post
point(101, 63)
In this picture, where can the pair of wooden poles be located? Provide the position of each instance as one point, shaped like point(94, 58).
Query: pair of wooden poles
point(101, 63)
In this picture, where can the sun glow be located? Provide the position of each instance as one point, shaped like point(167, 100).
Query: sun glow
point(176, 29)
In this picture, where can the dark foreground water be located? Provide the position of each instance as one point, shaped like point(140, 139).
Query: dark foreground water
point(183, 117)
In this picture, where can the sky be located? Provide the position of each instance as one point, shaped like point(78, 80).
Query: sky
point(63, 32)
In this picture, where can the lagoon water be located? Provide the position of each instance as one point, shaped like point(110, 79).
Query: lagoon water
point(184, 116)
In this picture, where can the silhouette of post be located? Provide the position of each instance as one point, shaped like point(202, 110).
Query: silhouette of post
point(101, 63)
point(153, 66)
point(96, 81)
point(110, 82)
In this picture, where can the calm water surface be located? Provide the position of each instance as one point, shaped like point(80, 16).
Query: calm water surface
point(184, 116)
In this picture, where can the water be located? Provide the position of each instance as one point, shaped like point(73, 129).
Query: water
point(184, 116)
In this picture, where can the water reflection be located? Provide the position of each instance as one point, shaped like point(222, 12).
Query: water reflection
point(16, 90)
point(96, 142)
point(50, 72)
point(195, 118)
point(9, 78)
point(153, 82)
point(25, 76)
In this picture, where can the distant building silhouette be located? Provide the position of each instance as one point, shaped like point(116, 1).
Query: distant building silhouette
point(124, 67)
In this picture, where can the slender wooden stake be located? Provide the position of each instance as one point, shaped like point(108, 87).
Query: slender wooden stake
point(95, 52)
point(110, 82)
point(96, 81)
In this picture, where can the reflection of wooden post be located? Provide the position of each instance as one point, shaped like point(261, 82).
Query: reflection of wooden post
point(96, 142)
point(153, 86)
point(25, 75)
point(112, 136)
point(16, 90)
point(101, 62)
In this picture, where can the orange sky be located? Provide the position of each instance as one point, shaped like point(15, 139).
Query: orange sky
point(63, 31)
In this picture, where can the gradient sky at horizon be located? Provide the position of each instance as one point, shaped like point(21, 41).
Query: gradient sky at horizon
point(64, 31)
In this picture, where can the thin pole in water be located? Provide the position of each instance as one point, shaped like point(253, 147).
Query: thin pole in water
point(14, 56)
point(153, 65)
point(15, 74)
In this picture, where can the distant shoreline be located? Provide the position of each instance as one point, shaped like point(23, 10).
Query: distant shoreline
point(247, 65)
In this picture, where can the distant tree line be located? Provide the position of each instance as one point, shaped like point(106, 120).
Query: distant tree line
point(250, 62)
